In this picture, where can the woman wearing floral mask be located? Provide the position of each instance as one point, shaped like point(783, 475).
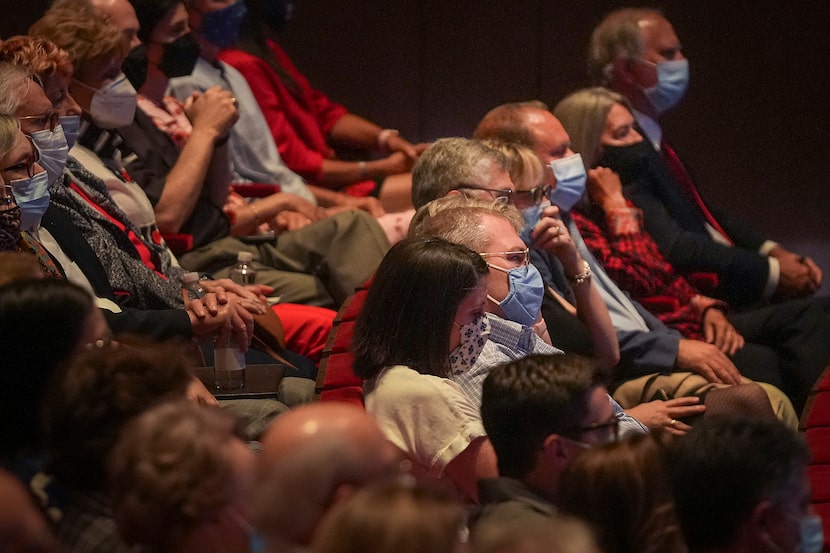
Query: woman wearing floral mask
point(425, 309)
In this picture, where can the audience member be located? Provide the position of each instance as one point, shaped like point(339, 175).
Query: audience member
point(636, 52)
point(540, 412)
point(624, 491)
point(555, 534)
point(87, 406)
point(393, 517)
point(646, 344)
point(313, 457)
point(741, 485)
point(44, 323)
point(181, 480)
point(782, 344)
point(306, 125)
point(9, 210)
point(410, 352)
point(23, 526)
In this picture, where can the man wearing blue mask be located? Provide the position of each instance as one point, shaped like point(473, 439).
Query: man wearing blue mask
point(637, 53)
point(646, 345)
point(742, 485)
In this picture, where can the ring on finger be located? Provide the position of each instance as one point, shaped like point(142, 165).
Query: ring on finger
point(673, 422)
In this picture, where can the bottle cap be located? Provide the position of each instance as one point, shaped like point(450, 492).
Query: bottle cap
point(192, 276)
point(244, 257)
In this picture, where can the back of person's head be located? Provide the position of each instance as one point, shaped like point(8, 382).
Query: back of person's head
point(174, 467)
point(506, 123)
point(91, 400)
point(392, 517)
point(616, 35)
point(42, 324)
point(583, 114)
point(14, 85)
point(312, 457)
point(38, 54)
point(87, 35)
point(633, 472)
point(451, 163)
point(526, 400)
point(534, 534)
point(411, 305)
point(457, 219)
point(725, 467)
point(23, 526)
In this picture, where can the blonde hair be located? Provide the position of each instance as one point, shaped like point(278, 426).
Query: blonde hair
point(86, 34)
point(524, 166)
point(583, 114)
point(392, 518)
point(40, 55)
point(9, 127)
point(457, 218)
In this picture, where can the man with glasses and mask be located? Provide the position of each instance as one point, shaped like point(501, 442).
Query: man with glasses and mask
point(741, 485)
point(540, 412)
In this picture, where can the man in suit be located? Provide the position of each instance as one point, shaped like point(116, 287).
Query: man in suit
point(637, 53)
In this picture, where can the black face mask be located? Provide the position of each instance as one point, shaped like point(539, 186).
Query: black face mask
point(180, 56)
point(135, 66)
point(629, 162)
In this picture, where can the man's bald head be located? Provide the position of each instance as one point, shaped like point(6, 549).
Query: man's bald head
point(316, 454)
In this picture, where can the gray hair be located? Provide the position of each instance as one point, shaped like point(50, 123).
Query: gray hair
point(450, 163)
point(14, 85)
point(617, 35)
point(457, 219)
point(583, 114)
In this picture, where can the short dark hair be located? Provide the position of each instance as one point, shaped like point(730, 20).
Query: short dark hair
point(149, 13)
point(526, 400)
point(411, 304)
point(92, 399)
point(724, 467)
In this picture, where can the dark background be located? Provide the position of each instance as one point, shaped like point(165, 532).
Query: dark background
point(752, 128)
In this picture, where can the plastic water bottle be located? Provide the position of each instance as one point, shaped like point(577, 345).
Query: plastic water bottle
point(190, 282)
point(243, 273)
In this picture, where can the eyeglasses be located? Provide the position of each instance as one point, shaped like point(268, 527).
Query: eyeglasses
point(518, 257)
point(609, 428)
point(46, 121)
point(29, 164)
point(534, 196)
point(502, 194)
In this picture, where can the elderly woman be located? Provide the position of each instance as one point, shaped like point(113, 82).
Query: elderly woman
point(424, 314)
point(783, 344)
point(9, 210)
point(181, 478)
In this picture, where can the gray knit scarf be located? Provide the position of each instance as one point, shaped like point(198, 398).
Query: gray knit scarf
point(135, 284)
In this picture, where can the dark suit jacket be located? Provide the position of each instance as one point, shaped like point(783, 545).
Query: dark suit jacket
point(154, 323)
point(676, 223)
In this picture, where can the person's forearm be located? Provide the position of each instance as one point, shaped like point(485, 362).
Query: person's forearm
point(184, 182)
point(218, 177)
point(326, 197)
point(248, 217)
point(356, 132)
point(593, 313)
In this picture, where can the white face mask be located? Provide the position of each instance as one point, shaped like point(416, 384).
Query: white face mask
point(71, 128)
point(53, 149)
point(570, 181)
point(113, 105)
point(672, 81)
point(32, 195)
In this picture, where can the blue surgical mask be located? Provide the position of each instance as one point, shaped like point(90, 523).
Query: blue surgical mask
point(532, 215)
point(524, 298)
point(221, 27)
point(672, 81)
point(71, 128)
point(32, 195)
point(812, 534)
point(53, 150)
point(570, 181)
